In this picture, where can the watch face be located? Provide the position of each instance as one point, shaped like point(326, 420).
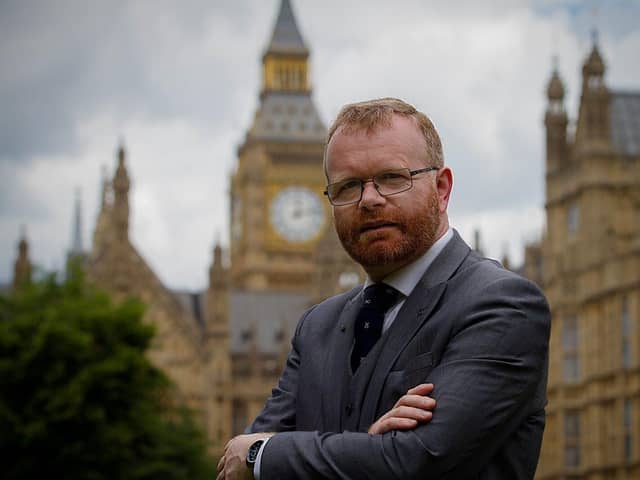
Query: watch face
point(252, 453)
point(297, 214)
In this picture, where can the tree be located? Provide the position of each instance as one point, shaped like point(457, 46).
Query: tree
point(78, 397)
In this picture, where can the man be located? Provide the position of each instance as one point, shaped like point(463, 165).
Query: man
point(475, 331)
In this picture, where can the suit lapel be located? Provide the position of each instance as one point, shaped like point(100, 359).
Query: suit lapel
point(337, 372)
point(411, 317)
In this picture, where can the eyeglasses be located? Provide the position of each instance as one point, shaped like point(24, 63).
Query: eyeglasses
point(386, 183)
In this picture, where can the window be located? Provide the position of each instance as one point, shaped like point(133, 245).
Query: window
point(626, 334)
point(573, 218)
point(627, 423)
point(571, 363)
point(572, 438)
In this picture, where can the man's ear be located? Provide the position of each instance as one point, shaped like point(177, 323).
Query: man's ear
point(444, 184)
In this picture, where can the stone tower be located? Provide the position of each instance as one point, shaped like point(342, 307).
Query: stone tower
point(216, 350)
point(588, 264)
point(22, 268)
point(277, 209)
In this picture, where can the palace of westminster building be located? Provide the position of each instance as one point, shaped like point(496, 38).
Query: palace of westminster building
point(224, 347)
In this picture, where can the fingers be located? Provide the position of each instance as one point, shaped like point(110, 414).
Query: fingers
point(402, 418)
point(413, 395)
point(220, 472)
point(414, 413)
point(389, 424)
point(411, 409)
point(422, 389)
point(416, 401)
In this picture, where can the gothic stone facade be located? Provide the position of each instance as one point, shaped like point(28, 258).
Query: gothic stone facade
point(588, 264)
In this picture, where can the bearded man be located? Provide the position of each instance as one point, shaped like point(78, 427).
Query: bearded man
point(434, 324)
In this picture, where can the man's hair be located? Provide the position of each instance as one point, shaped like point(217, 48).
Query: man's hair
point(370, 115)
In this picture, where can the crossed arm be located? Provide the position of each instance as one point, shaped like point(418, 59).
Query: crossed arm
point(410, 410)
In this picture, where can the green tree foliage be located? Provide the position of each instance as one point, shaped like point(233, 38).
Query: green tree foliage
point(78, 397)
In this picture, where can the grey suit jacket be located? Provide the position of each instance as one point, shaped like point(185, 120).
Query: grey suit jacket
point(478, 332)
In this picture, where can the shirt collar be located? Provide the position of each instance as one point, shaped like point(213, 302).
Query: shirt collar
point(406, 278)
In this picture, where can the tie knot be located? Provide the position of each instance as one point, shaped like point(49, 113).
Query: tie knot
point(380, 297)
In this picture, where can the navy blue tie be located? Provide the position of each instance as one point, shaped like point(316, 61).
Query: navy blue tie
point(378, 298)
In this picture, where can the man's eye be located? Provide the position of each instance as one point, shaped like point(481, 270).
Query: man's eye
point(391, 177)
point(350, 185)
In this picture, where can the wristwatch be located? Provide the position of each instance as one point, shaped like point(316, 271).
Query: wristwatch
point(252, 453)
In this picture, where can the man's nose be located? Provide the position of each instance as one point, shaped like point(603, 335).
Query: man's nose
point(370, 195)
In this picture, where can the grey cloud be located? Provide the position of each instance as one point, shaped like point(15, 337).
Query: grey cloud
point(45, 49)
point(17, 200)
point(66, 61)
point(615, 17)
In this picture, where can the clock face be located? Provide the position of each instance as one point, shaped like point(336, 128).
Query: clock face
point(297, 214)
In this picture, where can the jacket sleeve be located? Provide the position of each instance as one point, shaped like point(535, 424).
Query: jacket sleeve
point(491, 377)
point(279, 412)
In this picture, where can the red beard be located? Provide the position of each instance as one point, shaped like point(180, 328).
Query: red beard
point(409, 235)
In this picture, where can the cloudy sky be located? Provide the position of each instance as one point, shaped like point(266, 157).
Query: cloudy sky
point(178, 82)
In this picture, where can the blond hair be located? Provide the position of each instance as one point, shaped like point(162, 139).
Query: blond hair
point(373, 114)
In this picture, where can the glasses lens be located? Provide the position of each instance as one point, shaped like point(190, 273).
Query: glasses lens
point(344, 192)
point(392, 182)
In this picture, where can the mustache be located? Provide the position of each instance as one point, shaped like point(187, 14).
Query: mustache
point(368, 222)
point(375, 217)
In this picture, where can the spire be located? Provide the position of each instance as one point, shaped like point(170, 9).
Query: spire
point(592, 131)
point(76, 257)
point(285, 62)
point(594, 66)
point(286, 38)
point(22, 267)
point(286, 111)
point(217, 255)
point(121, 187)
point(217, 271)
point(556, 122)
point(217, 306)
point(555, 89)
point(76, 236)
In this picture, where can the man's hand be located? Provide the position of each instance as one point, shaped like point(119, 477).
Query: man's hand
point(413, 408)
point(232, 466)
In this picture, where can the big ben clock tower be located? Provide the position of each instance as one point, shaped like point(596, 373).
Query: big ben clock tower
point(278, 212)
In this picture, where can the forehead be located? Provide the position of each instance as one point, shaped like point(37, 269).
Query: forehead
point(397, 145)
